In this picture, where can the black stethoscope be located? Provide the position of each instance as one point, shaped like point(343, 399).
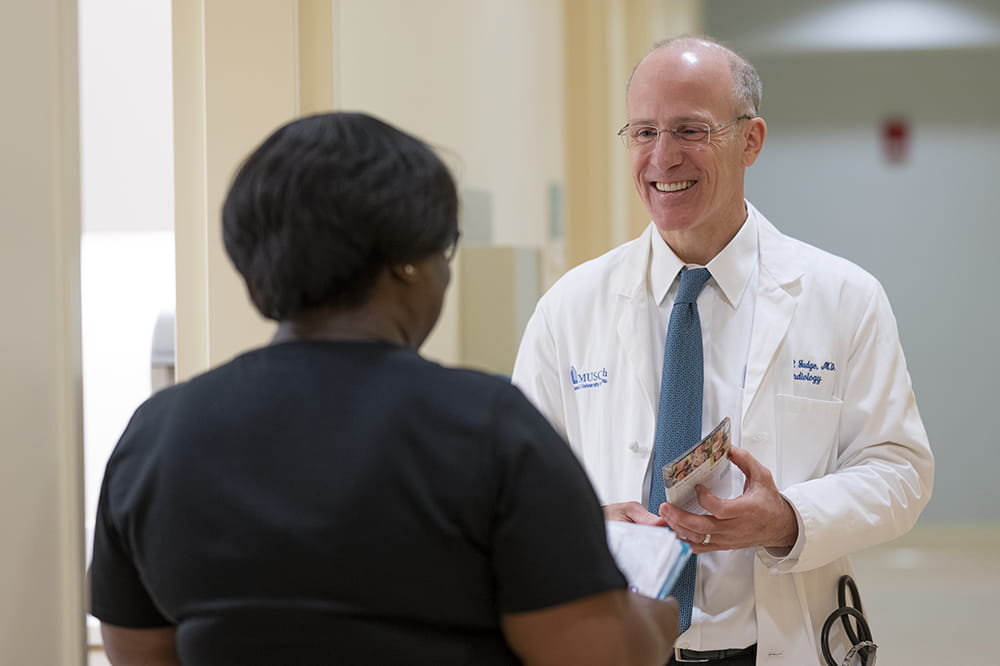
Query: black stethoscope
point(862, 645)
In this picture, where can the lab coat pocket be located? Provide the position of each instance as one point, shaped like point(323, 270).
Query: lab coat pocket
point(807, 434)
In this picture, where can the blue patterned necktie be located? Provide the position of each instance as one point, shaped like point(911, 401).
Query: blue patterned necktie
point(678, 423)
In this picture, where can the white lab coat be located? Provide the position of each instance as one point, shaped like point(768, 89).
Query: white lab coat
point(844, 441)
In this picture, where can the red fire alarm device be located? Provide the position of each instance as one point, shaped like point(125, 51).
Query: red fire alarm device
point(895, 139)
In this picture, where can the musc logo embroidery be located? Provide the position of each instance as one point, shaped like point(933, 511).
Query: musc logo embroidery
point(585, 380)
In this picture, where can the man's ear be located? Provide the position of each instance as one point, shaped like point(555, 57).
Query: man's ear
point(756, 134)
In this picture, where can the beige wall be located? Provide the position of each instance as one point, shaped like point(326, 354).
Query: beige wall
point(238, 75)
point(481, 81)
point(527, 94)
point(41, 510)
point(234, 81)
point(604, 40)
point(522, 97)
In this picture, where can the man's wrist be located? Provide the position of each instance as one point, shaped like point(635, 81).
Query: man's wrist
point(789, 535)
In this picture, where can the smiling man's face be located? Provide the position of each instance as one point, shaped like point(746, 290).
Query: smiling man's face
point(695, 190)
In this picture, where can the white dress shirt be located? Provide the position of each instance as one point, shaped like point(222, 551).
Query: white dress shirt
point(723, 616)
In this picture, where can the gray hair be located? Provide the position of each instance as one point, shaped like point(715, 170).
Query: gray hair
point(747, 87)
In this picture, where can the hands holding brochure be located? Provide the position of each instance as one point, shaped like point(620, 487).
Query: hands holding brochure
point(704, 509)
point(706, 464)
point(652, 557)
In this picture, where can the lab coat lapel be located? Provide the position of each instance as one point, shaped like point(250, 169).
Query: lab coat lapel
point(780, 271)
point(775, 308)
point(633, 330)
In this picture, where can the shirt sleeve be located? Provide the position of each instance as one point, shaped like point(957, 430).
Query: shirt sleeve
point(550, 545)
point(117, 593)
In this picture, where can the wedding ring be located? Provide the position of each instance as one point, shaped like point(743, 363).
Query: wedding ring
point(707, 540)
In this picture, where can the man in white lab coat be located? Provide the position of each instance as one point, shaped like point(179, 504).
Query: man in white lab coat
point(801, 351)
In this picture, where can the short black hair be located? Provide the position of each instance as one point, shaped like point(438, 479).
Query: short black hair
point(325, 203)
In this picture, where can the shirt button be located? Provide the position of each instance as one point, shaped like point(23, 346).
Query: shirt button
point(760, 437)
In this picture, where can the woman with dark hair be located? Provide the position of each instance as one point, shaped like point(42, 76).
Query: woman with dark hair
point(333, 497)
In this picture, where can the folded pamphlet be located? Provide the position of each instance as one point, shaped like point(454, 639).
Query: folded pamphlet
point(706, 464)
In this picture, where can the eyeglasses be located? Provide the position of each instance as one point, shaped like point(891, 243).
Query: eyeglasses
point(690, 135)
point(450, 251)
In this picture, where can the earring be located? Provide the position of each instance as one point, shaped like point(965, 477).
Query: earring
point(410, 269)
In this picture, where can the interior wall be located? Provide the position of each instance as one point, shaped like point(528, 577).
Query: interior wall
point(236, 67)
point(925, 226)
point(126, 134)
point(604, 41)
point(41, 497)
point(525, 97)
point(482, 82)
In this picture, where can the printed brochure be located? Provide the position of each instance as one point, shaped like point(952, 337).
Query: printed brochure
point(707, 464)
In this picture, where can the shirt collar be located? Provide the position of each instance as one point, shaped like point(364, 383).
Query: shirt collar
point(731, 269)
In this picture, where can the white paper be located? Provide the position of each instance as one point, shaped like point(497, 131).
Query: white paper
point(649, 556)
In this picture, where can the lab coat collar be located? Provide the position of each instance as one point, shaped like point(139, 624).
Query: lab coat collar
point(734, 266)
point(629, 277)
point(781, 267)
point(779, 257)
point(731, 269)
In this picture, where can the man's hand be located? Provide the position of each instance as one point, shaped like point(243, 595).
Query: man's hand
point(758, 517)
point(632, 512)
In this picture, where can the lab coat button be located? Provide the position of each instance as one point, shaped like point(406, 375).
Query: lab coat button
point(760, 437)
point(638, 450)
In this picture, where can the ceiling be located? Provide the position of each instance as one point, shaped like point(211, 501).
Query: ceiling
point(782, 26)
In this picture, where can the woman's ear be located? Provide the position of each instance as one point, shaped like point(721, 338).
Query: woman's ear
point(404, 272)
